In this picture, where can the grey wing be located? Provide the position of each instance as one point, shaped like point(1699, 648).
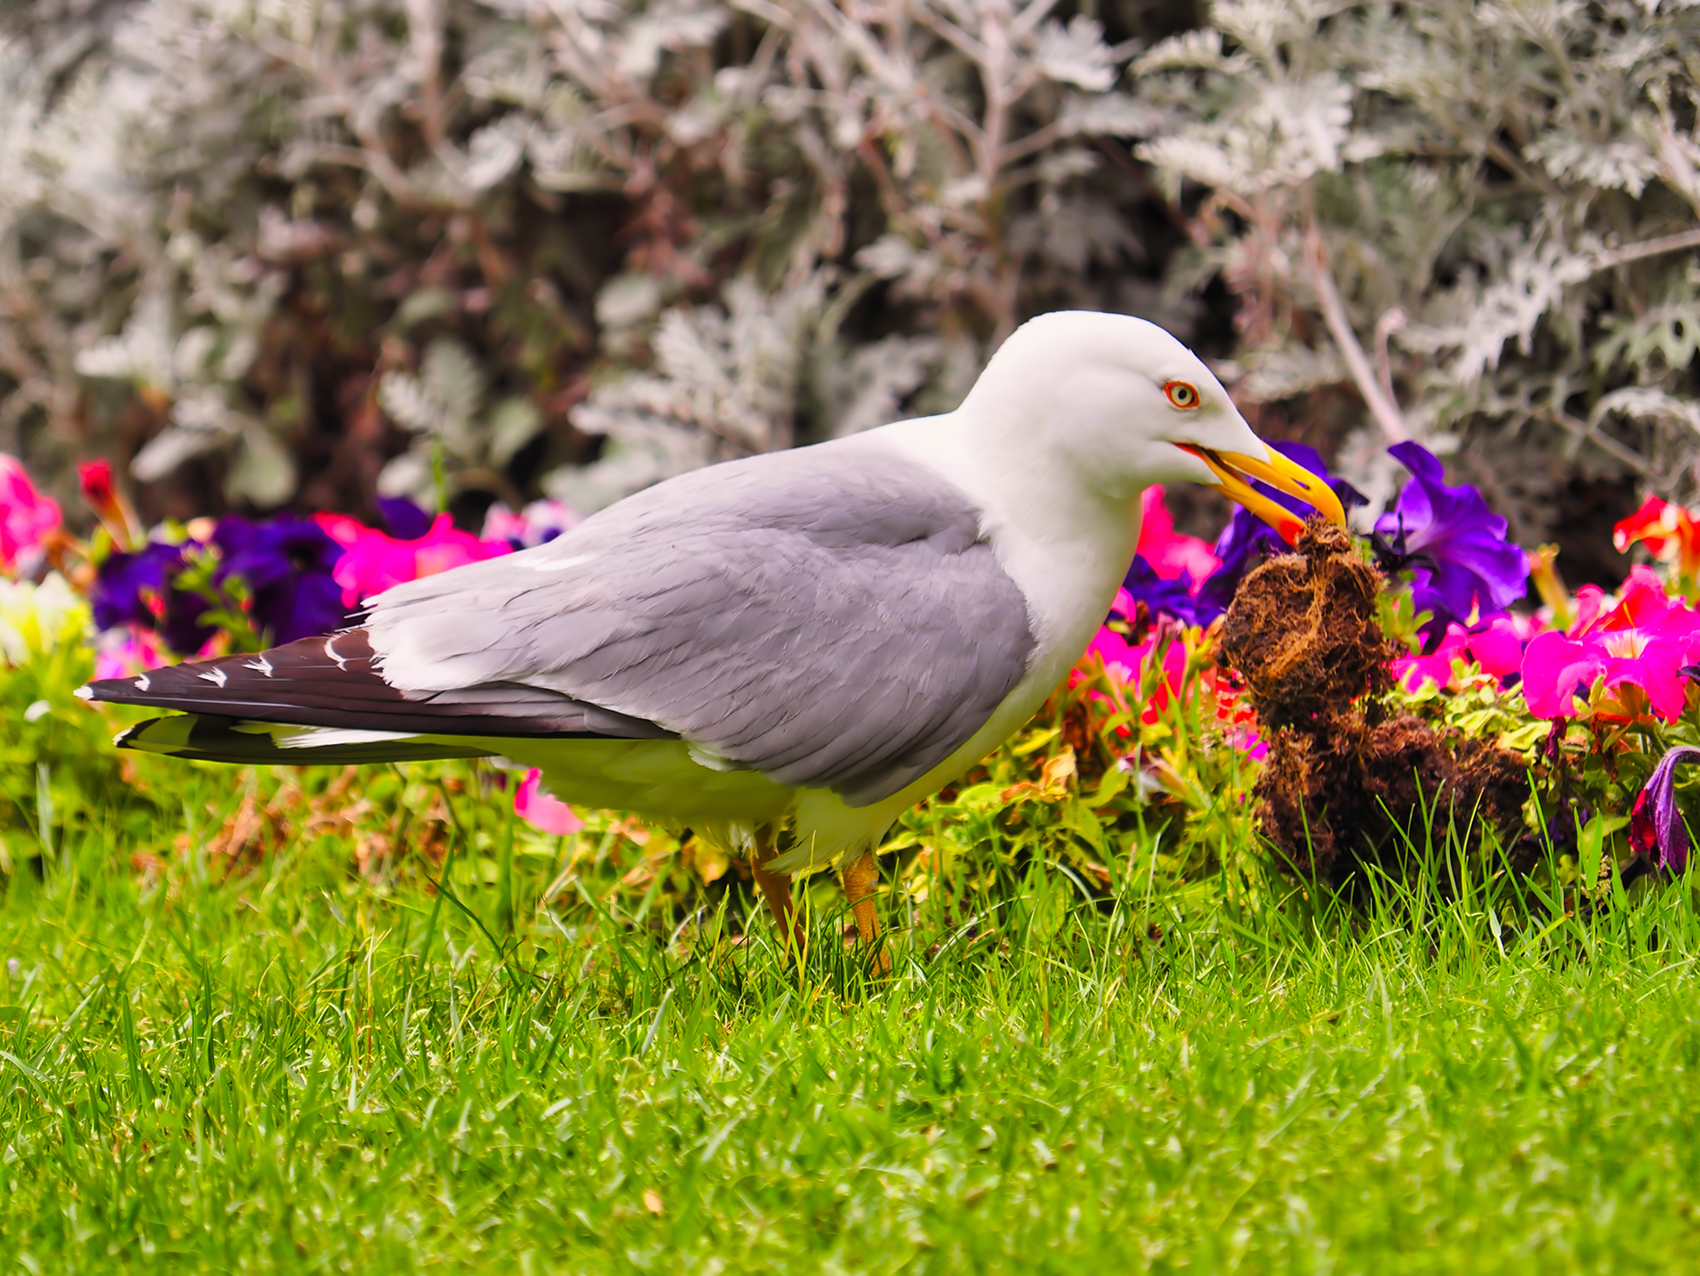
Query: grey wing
point(830, 617)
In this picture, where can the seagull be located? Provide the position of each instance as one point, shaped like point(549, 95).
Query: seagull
point(783, 652)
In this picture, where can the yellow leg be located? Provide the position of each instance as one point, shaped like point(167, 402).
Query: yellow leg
point(860, 880)
point(776, 890)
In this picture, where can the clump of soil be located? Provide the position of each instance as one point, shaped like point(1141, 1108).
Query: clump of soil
point(1348, 782)
point(1302, 632)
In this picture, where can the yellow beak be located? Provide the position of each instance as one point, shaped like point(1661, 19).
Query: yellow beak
point(1232, 469)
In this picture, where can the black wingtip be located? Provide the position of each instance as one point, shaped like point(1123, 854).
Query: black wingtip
point(334, 681)
point(111, 691)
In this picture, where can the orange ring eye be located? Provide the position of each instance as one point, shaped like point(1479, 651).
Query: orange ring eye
point(1182, 394)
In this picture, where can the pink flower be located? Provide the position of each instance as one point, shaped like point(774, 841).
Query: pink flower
point(542, 810)
point(1120, 657)
point(1123, 661)
point(1641, 601)
point(1496, 648)
point(126, 651)
point(27, 518)
point(1641, 643)
point(1170, 552)
point(536, 524)
point(375, 561)
point(1436, 666)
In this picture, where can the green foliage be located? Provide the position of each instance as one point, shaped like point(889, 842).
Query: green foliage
point(59, 774)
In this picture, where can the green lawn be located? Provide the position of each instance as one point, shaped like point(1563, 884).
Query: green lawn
point(296, 1067)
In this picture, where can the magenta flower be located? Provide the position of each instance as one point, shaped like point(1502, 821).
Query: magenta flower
point(1495, 647)
point(1656, 827)
point(1123, 662)
point(1168, 567)
point(542, 810)
point(373, 561)
point(1167, 551)
point(1642, 643)
point(27, 518)
point(126, 652)
point(1456, 545)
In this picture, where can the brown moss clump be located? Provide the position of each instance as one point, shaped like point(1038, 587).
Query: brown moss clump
point(1346, 782)
point(1350, 792)
point(1302, 631)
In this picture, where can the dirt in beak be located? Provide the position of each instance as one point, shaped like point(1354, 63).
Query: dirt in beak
point(1348, 780)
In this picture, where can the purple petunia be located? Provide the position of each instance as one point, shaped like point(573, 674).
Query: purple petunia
point(137, 588)
point(286, 564)
point(405, 520)
point(1248, 540)
point(1453, 541)
point(1167, 597)
point(1656, 829)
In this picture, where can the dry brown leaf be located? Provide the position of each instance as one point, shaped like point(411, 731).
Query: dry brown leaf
point(710, 862)
point(1053, 782)
point(631, 830)
point(372, 852)
point(1058, 771)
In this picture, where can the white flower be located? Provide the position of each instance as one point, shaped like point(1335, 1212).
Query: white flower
point(36, 618)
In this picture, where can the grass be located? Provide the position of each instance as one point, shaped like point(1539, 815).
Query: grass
point(294, 1067)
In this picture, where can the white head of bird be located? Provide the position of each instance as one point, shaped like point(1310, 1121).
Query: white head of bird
point(1120, 404)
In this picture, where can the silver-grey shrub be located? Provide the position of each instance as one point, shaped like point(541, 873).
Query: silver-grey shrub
point(309, 249)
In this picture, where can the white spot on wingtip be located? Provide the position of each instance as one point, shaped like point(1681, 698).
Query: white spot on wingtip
point(331, 651)
point(215, 676)
point(260, 665)
point(84, 693)
point(142, 683)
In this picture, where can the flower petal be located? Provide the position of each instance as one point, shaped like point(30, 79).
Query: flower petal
point(543, 810)
point(1553, 668)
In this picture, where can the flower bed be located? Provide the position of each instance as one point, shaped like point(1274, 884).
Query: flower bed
point(1415, 705)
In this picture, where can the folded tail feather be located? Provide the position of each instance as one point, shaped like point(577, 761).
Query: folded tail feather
point(205, 738)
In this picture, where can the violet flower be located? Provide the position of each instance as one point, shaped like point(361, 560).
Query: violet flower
point(1248, 540)
point(1655, 824)
point(1453, 541)
point(286, 564)
point(137, 588)
point(405, 520)
point(1167, 597)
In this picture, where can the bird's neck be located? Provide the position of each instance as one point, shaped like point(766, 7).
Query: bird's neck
point(1067, 546)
